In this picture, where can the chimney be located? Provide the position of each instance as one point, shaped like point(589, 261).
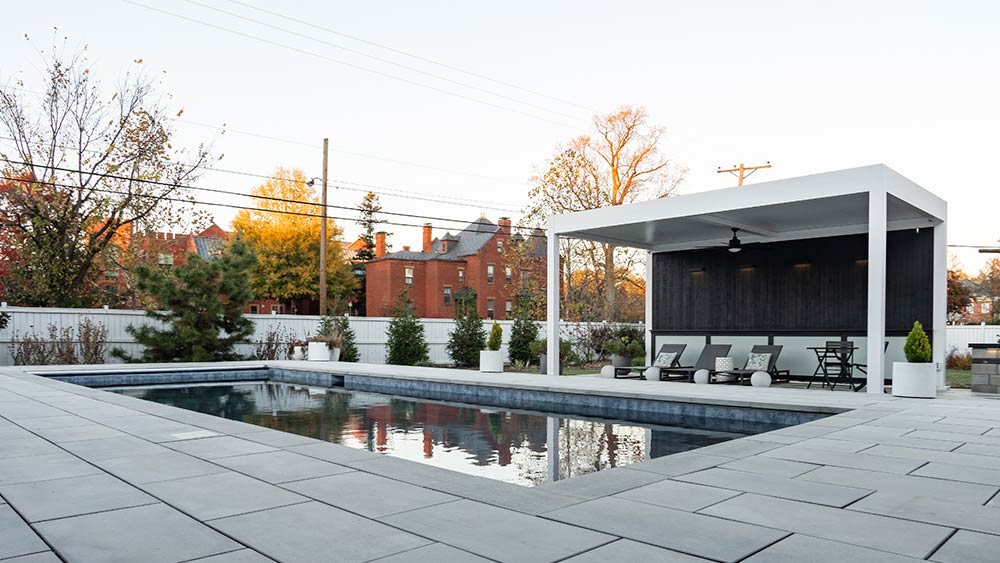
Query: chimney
point(504, 224)
point(428, 243)
point(406, 249)
point(379, 244)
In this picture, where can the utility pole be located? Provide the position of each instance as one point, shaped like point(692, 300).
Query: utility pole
point(322, 233)
point(744, 171)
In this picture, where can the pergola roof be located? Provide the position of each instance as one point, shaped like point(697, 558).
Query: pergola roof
point(819, 205)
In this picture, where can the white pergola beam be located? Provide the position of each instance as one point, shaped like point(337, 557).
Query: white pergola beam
point(877, 213)
point(553, 291)
point(939, 339)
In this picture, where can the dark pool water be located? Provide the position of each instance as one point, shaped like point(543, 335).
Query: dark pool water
point(526, 448)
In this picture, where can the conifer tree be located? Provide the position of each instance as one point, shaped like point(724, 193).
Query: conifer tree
point(348, 346)
point(468, 338)
point(405, 341)
point(523, 332)
point(202, 304)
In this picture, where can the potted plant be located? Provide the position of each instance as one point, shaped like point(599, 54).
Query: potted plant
point(491, 359)
point(623, 350)
point(324, 348)
point(916, 376)
point(296, 349)
point(538, 348)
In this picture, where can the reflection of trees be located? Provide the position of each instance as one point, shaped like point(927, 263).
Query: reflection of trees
point(226, 401)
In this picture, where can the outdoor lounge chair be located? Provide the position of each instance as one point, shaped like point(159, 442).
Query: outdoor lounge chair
point(705, 361)
point(634, 372)
point(743, 375)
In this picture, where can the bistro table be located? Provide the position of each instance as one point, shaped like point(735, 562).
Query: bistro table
point(839, 354)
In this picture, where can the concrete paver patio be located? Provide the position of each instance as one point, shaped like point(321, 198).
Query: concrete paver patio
point(87, 475)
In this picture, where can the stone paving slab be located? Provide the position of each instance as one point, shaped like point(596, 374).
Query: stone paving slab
point(106, 448)
point(679, 464)
point(435, 552)
point(43, 467)
point(222, 494)
point(44, 557)
point(313, 531)
point(950, 472)
point(217, 447)
point(818, 493)
point(405, 470)
point(846, 459)
point(281, 466)
point(969, 547)
point(877, 532)
point(162, 466)
point(798, 548)
point(686, 532)
point(770, 466)
point(238, 556)
point(152, 534)
point(73, 496)
point(534, 500)
point(675, 494)
point(333, 452)
point(628, 551)
point(602, 483)
point(497, 533)
point(369, 495)
point(910, 485)
point(16, 537)
point(933, 511)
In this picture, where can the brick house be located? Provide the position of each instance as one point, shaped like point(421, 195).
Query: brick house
point(981, 305)
point(472, 260)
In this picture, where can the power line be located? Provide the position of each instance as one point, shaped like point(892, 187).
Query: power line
point(411, 55)
point(385, 191)
point(381, 59)
point(229, 192)
point(345, 63)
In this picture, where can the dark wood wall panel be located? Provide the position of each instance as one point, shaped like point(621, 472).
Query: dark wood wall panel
point(809, 286)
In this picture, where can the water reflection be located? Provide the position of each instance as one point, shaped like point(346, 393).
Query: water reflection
point(520, 447)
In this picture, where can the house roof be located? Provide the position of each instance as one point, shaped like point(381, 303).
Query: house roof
point(827, 204)
point(467, 242)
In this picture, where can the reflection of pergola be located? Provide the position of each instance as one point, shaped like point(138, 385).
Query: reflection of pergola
point(857, 253)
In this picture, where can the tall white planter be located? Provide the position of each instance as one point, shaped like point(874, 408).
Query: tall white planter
point(319, 352)
point(913, 380)
point(490, 361)
point(335, 355)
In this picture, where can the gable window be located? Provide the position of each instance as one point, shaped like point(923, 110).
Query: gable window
point(277, 309)
point(447, 295)
point(461, 275)
point(489, 274)
point(508, 308)
point(254, 309)
point(408, 276)
point(986, 308)
point(165, 260)
point(970, 308)
point(490, 309)
point(499, 246)
point(508, 274)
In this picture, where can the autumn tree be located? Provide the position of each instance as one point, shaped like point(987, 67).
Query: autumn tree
point(283, 231)
point(959, 294)
point(989, 281)
point(369, 222)
point(618, 163)
point(87, 164)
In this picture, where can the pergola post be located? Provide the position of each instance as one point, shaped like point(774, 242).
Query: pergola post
point(877, 219)
point(552, 307)
point(650, 341)
point(939, 337)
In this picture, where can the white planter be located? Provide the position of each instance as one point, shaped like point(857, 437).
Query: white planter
point(298, 353)
point(913, 380)
point(491, 361)
point(335, 355)
point(319, 352)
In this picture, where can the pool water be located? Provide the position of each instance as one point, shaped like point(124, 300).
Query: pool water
point(521, 447)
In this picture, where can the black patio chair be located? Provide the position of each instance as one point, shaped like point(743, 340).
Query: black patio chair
point(637, 372)
point(836, 360)
point(705, 361)
point(743, 375)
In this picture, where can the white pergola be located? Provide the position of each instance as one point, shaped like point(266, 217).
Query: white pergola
point(871, 199)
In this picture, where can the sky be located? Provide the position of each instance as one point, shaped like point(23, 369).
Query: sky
point(465, 101)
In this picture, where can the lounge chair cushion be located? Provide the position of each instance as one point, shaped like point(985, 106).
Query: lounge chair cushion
point(759, 362)
point(664, 359)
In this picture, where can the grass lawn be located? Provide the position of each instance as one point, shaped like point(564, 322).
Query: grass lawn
point(959, 378)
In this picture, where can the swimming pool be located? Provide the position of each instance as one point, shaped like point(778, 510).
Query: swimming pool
point(516, 446)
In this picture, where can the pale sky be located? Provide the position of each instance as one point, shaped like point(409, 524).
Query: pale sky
point(809, 86)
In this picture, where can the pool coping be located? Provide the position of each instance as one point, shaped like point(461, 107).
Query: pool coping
point(882, 441)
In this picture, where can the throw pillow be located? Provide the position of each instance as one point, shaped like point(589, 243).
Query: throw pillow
point(664, 359)
point(759, 362)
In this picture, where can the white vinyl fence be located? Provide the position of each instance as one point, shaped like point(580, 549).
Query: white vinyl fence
point(370, 332)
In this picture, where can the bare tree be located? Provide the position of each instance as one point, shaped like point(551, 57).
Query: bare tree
point(619, 163)
point(86, 171)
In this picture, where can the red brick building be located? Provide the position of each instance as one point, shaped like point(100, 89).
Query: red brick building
point(452, 265)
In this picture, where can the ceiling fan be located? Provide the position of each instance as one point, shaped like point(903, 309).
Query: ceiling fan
point(734, 245)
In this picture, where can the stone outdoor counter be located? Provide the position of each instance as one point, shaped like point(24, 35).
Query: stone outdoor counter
point(985, 368)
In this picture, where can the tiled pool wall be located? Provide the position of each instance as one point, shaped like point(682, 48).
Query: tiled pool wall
point(668, 413)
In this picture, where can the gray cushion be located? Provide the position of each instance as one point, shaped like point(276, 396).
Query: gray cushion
point(664, 359)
